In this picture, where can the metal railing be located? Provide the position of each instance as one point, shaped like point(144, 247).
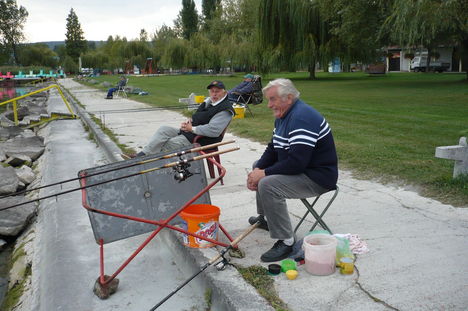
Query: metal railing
point(14, 100)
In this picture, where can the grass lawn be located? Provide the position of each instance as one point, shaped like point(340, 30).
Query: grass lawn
point(385, 127)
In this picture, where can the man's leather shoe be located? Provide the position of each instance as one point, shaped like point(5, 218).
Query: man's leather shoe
point(278, 252)
point(263, 223)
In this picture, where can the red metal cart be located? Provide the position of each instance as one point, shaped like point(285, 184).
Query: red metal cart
point(148, 201)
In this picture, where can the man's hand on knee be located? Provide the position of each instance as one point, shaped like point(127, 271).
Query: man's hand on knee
point(254, 178)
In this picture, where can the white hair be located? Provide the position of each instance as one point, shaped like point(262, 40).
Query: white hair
point(285, 87)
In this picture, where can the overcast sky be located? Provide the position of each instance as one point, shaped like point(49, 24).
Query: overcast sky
point(98, 18)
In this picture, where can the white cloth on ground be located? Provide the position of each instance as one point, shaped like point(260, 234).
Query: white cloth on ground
point(356, 244)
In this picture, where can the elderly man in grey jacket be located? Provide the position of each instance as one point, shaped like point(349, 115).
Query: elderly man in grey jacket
point(209, 121)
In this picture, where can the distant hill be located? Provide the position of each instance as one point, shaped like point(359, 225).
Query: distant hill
point(53, 44)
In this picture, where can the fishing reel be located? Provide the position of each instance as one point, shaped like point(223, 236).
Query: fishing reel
point(181, 171)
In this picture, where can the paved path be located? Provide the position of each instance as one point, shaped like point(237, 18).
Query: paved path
point(418, 257)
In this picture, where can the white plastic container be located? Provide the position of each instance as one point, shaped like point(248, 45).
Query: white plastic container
point(320, 254)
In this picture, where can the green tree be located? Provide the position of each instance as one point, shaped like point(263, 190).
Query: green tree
point(160, 41)
point(12, 19)
point(296, 31)
point(61, 51)
point(143, 35)
point(429, 23)
point(189, 18)
point(69, 65)
point(354, 26)
point(209, 8)
point(75, 42)
point(234, 32)
point(95, 59)
point(38, 54)
point(175, 53)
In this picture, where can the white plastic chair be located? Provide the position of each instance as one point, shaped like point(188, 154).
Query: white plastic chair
point(121, 91)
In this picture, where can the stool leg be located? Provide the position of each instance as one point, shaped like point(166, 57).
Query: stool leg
point(318, 217)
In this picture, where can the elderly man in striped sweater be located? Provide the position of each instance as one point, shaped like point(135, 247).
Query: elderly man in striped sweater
point(299, 162)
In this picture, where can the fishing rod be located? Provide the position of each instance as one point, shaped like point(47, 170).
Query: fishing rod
point(167, 165)
point(209, 263)
point(171, 155)
point(110, 111)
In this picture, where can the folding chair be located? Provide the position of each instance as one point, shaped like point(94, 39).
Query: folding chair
point(121, 90)
point(317, 216)
point(216, 158)
point(254, 98)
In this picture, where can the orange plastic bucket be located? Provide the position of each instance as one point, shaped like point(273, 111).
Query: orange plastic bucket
point(201, 219)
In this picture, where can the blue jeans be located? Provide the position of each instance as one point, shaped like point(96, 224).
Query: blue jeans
point(111, 91)
point(238, 98)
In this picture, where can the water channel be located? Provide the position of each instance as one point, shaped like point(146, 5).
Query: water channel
point(8, 90)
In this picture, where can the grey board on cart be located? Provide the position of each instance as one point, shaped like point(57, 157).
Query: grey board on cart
point(156, 195)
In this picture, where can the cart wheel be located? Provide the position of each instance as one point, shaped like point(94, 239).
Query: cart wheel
point(104, 291)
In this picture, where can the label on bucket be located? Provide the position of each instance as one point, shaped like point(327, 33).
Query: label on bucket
point(184, 226)
point(207, 230)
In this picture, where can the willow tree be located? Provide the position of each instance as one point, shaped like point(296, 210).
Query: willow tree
point(355, 26)
point(296, 31)
point(175, 54)
point(429, 23)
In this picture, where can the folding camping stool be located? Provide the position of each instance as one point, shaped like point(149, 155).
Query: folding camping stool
point(318, 217)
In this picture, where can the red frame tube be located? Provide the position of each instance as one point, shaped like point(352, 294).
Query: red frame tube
point(160, 224)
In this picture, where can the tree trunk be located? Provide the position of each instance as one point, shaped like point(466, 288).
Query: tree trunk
point(312, 70)
point(15, 53)
point(464, 54)
point(428, 61)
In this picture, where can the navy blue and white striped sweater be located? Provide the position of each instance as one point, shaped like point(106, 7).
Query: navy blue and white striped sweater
point(302, 143)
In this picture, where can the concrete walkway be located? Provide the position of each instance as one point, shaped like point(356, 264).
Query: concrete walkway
point(418, 257)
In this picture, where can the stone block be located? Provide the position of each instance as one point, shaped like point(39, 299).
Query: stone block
point(25, 174)
point(9, 132)
point(32, 147)
point(8, 180)
point(458, 153)
point(13, 220)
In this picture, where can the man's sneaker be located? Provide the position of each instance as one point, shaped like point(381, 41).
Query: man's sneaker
point(263, 223)
point(278, 252)
point(109, 97)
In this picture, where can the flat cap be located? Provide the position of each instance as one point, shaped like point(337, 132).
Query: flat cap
point(216, 83)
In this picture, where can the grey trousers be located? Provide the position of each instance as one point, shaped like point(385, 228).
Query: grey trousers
point(272, 192)
point(166, 138)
